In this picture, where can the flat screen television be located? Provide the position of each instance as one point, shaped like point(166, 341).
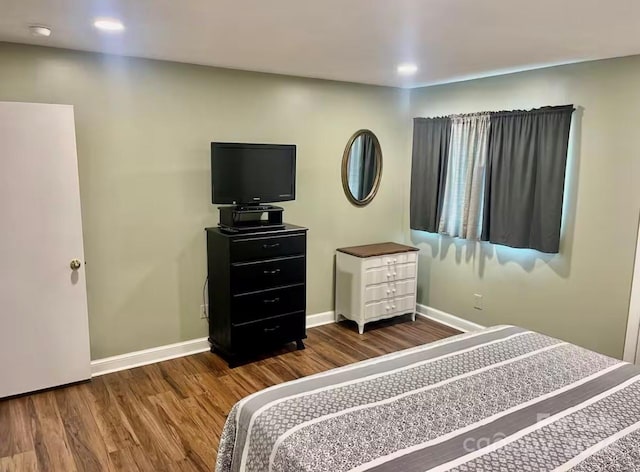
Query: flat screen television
point(252, 173)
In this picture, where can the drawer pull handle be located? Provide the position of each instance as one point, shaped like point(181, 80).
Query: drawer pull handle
point(271, 272)
point(271, 330)
point(273, 300)
point(270, 246)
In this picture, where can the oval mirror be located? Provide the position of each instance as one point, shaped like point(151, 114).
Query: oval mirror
point(361, 167)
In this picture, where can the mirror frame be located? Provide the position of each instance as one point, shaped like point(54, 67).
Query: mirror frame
point(345, 168)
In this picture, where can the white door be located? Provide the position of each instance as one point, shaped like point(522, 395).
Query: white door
point(44, 332)
point(632, 344)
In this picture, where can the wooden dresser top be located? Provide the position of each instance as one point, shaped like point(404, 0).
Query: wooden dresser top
point(379, 249)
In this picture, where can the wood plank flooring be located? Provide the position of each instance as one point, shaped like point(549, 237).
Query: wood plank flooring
point(168, 416)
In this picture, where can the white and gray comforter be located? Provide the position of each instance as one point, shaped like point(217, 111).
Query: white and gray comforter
point(498, 399)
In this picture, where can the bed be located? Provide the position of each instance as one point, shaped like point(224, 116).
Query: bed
point(502, 398)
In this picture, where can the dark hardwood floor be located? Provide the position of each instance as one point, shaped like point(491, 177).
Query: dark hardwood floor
point(168, 416)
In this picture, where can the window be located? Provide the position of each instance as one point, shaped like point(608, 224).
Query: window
point(498, 177)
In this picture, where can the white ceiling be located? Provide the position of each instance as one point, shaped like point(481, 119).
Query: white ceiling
point(349, 40)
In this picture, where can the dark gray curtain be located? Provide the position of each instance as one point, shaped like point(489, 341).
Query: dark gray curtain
point(525, 178)
point(368, 168)
point(428, 171)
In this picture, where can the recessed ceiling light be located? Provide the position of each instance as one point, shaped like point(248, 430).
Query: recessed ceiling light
point(40, 31)
point(108, 24)
point(407, 69)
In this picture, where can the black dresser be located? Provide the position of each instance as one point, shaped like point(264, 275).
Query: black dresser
point(257, 290)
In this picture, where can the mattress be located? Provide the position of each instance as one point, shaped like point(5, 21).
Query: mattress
point(502, 398)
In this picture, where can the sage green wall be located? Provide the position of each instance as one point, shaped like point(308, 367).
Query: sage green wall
point(143, 134)
point(582, 294)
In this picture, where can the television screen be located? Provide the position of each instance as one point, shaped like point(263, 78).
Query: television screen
point(252, 173)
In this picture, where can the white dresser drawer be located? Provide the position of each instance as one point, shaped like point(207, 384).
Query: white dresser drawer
point(393, 306)
point(391, 273)
point(389, 290)
point(400, 258)
point(392, 259)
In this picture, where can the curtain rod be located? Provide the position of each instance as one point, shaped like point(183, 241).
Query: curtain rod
point(547, 109)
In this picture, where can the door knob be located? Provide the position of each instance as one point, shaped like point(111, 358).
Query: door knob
point(75, 264)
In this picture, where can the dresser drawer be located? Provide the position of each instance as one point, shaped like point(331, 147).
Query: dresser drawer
point(391, 259)
point(254, 276)
point(390, 307)
point(389, 290)
point(267, 303)
point(269, 247)
point(279, 329)
point(389, 274)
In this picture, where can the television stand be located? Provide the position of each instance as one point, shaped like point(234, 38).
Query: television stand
point(246, 218)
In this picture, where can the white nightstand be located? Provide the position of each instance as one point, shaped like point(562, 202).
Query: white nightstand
point(375, 282)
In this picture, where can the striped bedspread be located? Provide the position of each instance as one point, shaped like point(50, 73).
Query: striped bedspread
point(498, 399)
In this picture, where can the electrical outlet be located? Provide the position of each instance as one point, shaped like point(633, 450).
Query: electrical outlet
point(477, 301)
point(204, 311)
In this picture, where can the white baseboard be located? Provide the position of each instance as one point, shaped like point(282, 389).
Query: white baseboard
point(320, 319)
point(171, 351)
point(148, 356)
point(195, 346)
point(447, 319)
